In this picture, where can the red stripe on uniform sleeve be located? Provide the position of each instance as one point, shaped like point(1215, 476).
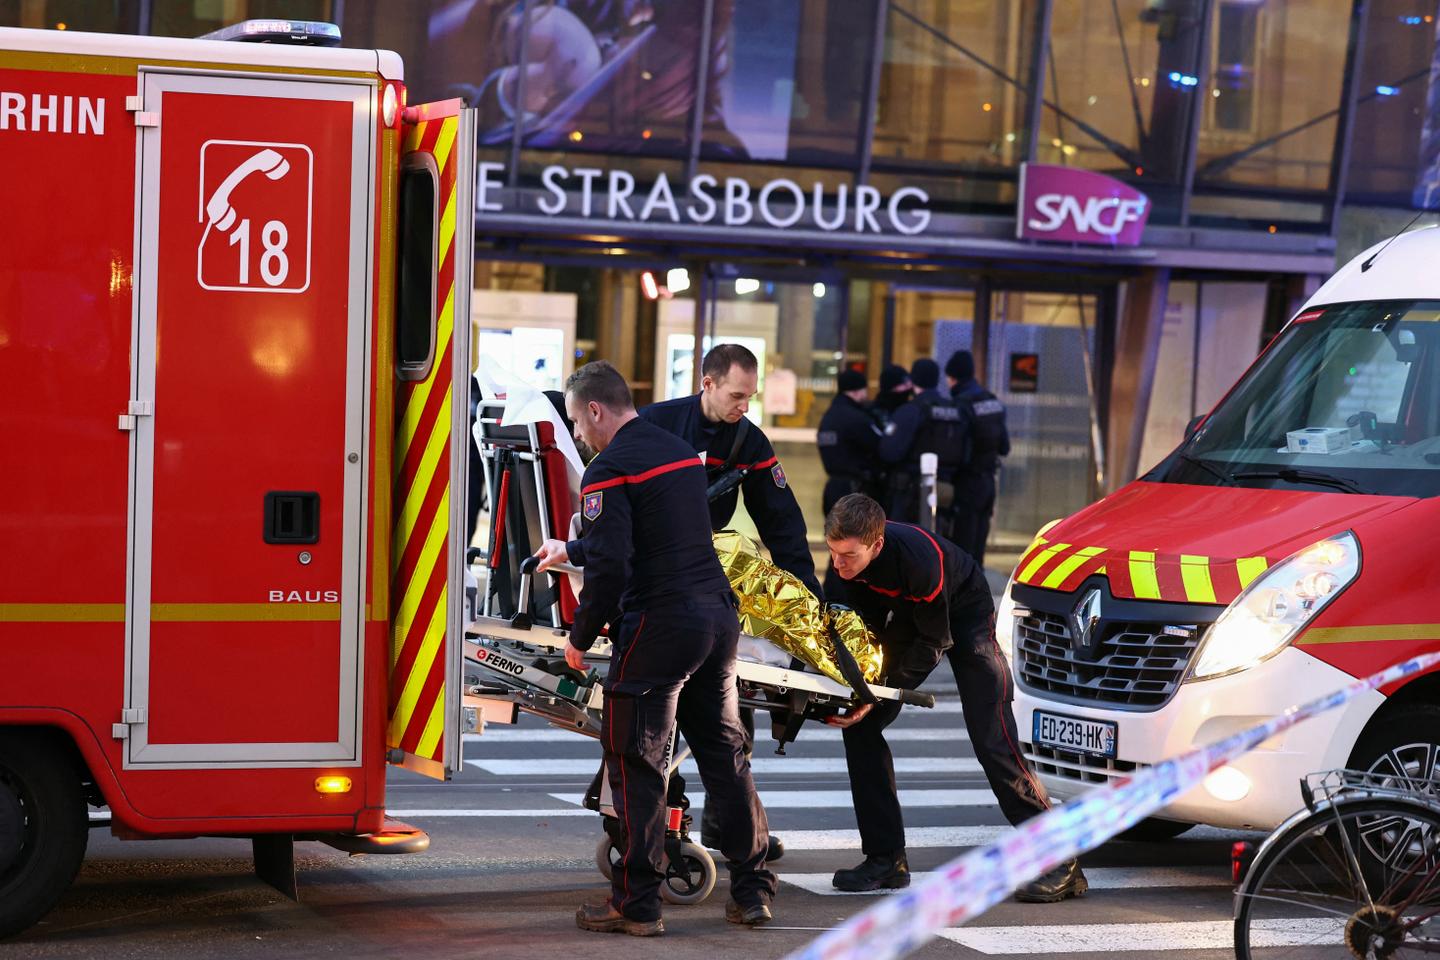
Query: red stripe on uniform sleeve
point(763, 465)
point(642, 477)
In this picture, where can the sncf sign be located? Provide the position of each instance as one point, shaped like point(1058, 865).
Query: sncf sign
point(1078, 206)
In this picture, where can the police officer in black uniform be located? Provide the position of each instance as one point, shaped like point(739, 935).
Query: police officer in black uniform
point(673, 628)
point(849, 442)
point(931, 423)
point(926, 599)
point(989, 440)
point(895, 390)
point(713, 423)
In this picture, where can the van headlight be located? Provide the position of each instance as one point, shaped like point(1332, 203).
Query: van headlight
point(1005, 613)
point(1270, 612)
point(1005, 621)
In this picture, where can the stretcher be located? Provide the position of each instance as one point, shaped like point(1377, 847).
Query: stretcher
point(519, 620)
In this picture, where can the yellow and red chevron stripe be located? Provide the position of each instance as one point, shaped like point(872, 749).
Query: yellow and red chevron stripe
point(1138, 574)
point(421, 548)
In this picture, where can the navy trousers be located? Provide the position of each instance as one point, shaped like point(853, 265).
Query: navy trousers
point(678, 665)
point(986, 690)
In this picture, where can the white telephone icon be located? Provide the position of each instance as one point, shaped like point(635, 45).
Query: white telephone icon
point(218, 211)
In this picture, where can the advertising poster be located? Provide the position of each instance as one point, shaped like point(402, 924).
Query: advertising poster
point(1427, 177)
point(619, 76)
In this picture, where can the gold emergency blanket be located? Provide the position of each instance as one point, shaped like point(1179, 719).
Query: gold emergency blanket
point(775, 605)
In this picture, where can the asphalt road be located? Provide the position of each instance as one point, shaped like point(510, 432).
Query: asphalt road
point(512, 855)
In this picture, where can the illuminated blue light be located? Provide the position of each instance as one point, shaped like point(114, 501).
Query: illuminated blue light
point(1412, 21)
point(1183, 79)
point(1385, 91)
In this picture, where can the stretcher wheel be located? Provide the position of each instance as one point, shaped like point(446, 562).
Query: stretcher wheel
point(607, 855)
point(691, 880)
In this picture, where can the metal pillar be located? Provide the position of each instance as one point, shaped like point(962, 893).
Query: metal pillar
point(980, 332)
point(1345, 125)
point(702, 92)
point(517, 127)
point(704, 301)
point(872, 92)
point(1199, 95)
point(1136, 355)
point(1039, 52)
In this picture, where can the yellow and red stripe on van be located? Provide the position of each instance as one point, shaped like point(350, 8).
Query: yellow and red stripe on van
point(1138, 574)
point(421, 546)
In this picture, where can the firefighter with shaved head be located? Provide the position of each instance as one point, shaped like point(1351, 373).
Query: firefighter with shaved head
point(659, 586)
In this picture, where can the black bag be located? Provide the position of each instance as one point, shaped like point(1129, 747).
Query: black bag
point(727, 476)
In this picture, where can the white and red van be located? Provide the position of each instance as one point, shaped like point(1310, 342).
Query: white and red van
point(1286, 547)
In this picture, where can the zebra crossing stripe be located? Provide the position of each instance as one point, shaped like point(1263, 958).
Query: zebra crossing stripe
point(530, 814)
point(1143, 938)
point(840, 800)
point(1100, 878)
point(760, 766)
point(915, 838)
point(820, 734)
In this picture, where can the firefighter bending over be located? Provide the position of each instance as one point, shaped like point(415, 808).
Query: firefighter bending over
point(938, 604)
point(658, 583)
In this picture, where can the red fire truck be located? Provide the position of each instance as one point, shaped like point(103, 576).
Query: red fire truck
point(234, 348)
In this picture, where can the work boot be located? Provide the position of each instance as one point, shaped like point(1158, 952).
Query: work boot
point(751, 916)
point(878, 872)
point(1065, 881)
point(604, 918)
point(710, 837)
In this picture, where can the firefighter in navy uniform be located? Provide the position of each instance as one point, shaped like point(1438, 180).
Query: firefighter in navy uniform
point(659, 585)
point(931, 423)
point(989, 440)
point(738, 457)
point(713, 423)
point(925, 599)
point(849, 442)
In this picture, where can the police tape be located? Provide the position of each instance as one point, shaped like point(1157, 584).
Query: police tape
point(970, 884)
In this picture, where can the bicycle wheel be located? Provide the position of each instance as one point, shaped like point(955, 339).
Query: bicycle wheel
point(1359, 879)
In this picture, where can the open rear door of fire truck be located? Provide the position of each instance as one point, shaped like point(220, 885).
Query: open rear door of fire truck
point(431, 432)
point(253, 254)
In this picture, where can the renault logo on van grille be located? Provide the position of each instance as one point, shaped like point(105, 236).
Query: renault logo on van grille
point(1083, 621)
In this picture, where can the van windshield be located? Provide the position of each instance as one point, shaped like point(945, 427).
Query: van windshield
point(1347, 400)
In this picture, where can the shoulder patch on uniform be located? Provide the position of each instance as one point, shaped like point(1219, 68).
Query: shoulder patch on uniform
point(778, 473)
point(594, 503)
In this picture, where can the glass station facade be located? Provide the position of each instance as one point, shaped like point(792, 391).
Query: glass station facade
point(836, 183)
